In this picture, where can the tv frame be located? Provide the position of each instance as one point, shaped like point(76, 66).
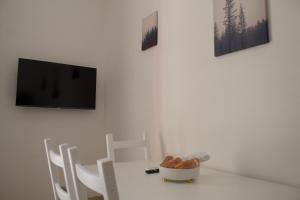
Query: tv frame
point(60, 107)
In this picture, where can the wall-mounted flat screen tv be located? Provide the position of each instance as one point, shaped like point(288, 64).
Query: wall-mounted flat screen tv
point(54, 85)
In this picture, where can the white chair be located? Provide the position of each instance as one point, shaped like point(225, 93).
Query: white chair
point(60, 160)
point(103, 182)
point(112, 145)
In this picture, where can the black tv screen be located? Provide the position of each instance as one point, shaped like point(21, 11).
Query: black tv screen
point(47, 84)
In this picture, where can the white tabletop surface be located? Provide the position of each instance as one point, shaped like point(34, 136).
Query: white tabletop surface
point(134, 184)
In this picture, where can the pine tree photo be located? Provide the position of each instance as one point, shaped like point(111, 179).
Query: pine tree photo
point(239, 24)
point(150, 31)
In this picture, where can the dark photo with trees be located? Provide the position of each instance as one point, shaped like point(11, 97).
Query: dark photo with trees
point(239, 24)
point(150, 31)
point(150, 38)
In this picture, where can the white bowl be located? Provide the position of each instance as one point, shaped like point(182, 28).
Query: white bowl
point(179, 174)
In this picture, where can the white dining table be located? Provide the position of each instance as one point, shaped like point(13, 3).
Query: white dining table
point(134, 184)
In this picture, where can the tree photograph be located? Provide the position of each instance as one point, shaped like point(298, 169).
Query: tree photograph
point(239, 24)
point(150, 31)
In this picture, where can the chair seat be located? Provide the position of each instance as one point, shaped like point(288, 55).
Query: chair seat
point(102, 182)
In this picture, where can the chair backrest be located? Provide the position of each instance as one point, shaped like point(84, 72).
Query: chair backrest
point(102, 181)
point(60, 160)
point(112, 145)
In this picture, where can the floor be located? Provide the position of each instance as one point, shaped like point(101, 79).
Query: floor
point(96, 198)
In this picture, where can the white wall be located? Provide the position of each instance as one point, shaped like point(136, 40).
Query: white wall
point(66, 31)
point(242, 108)
point(131, 79)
